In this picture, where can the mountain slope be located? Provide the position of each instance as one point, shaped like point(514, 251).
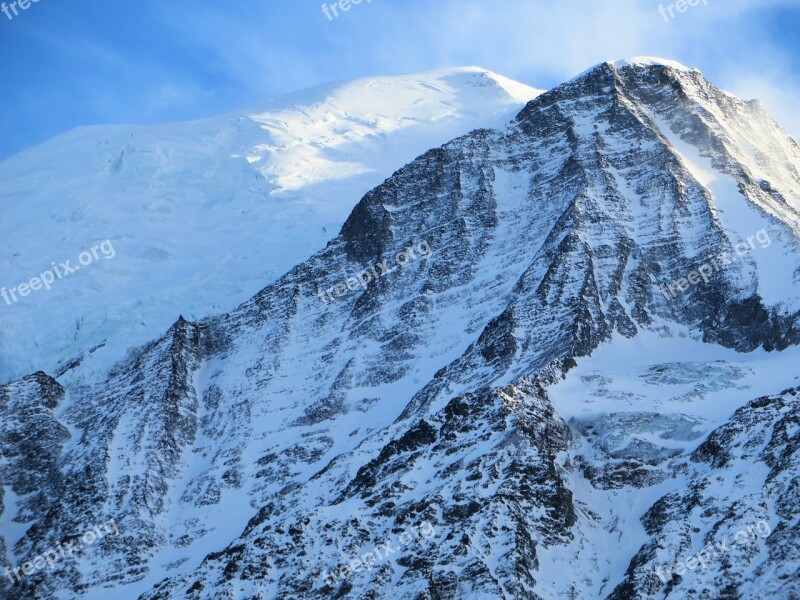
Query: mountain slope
point(514, 398)
point(203, 214)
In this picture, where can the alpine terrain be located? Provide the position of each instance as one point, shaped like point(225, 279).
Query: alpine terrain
point(235, 201)
point(557, 358)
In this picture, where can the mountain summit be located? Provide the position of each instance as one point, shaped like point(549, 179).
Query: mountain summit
point(235, 201)
point(553, 384)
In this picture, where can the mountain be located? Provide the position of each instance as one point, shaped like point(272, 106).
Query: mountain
point(200, 215)
point(557, 359)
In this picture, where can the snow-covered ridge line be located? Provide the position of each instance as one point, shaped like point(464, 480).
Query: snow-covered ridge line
point(480, 390)
point(649, 61)
point(206, 213)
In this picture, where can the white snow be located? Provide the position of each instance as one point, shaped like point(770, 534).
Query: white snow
point(637, 61)
point(204, 214)
point(649, 61)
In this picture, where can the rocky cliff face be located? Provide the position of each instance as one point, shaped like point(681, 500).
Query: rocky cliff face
point(31, 443)
point(380, 420)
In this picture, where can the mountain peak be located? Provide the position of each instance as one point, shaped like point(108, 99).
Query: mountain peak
point(295, 165)
point(395, 93)
point(527, 321)
point(648, 61)
point(638, 62)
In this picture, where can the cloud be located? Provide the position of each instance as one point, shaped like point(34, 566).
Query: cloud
point(266, 50)
point(191, 58)
point(544, 43)
point(777, 99)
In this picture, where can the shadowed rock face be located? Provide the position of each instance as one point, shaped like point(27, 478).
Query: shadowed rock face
point(255, 454)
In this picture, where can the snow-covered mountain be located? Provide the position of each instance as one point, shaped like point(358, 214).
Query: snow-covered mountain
point(201, 215)
point(557, 359)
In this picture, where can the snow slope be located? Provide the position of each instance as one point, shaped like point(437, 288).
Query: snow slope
point(201, 215)
point(587, 195)
point(525, 388)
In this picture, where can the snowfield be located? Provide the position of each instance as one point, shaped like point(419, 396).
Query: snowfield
point(206, 213)
point(524, 389)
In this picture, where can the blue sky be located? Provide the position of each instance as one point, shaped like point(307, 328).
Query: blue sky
point(65, 63)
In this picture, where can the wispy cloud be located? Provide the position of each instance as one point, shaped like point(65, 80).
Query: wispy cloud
point(190, 58)
point(539, 42)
